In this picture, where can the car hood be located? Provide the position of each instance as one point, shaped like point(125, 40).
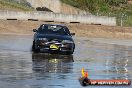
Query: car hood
point(53, 36)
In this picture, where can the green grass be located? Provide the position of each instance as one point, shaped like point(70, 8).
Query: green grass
point(112, 8)
point(11, 4)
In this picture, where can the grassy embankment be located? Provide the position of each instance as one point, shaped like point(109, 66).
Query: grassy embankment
point(120, 9)
point(15, 5)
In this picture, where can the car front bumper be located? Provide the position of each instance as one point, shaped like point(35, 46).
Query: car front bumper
point(55, 47)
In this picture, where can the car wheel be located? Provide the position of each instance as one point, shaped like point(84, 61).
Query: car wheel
point(69, 53)
point(33, 46)
point(34, 49)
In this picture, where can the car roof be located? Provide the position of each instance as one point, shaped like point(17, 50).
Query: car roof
point(54, 25)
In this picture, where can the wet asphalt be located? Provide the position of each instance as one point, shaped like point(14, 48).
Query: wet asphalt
point(21, 68)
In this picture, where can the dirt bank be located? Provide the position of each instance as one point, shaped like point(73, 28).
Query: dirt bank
point(96, 31)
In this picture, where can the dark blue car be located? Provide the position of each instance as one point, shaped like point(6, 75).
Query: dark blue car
point(51, 38)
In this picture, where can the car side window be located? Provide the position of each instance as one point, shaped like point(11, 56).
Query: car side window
point(40, 28)
point(67, 30)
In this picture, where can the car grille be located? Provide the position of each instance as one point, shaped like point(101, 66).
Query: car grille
point(49, 42)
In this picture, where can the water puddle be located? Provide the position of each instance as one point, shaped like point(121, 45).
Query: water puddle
point(20, 68)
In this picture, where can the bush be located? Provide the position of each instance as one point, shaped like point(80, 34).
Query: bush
point(116, 2)
point(106, 8)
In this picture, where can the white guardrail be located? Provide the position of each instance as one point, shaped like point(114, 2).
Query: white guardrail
point(56, 17)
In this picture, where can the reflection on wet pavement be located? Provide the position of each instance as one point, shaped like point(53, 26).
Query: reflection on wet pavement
point(20, 68)
point(52, 63)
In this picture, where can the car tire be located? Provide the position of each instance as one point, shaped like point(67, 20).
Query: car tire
point(69, 53)
point(33, 46)
point(34, 49)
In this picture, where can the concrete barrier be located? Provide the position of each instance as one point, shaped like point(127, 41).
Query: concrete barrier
point(56, 6)
point(50, 16)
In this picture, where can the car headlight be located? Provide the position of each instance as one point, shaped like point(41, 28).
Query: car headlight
point(44, 39)
point(67, 41)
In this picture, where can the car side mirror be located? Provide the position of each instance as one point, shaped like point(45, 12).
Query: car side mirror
point(34, 30)
point(72, 34)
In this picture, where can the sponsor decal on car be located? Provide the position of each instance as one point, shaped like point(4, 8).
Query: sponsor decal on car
point(54, 47)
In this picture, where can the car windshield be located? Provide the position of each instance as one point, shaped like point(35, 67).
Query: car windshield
point(53, 29)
